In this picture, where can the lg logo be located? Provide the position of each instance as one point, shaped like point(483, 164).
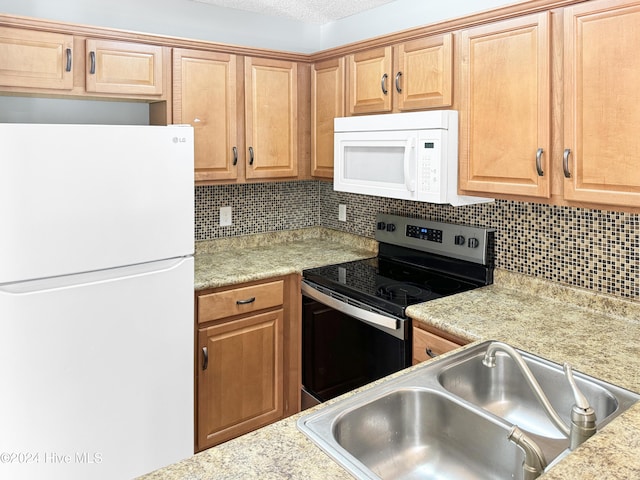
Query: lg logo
point(179, 140)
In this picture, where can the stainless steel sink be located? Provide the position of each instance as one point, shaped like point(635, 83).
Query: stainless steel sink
point(419, 433)
point(450, 419)
point(503, 392)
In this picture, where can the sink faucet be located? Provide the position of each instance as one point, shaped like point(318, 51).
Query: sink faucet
point(583, 417)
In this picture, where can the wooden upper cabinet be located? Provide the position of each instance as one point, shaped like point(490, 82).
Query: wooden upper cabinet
point(601, 98)
point(505, 120)
point(35, 59)
point(414, 75)
point(124, 68)
point(424, 73)
point(327, 103)
point(205, 96)
point(271, 118)
point(369, 81)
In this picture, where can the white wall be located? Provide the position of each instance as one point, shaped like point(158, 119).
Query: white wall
point(399, 15)
point(185, 18)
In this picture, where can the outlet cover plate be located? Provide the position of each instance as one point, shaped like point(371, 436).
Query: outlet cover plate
point(342, 212)
point(225, 216)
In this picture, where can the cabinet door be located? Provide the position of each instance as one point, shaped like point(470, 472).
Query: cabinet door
point(35, 59)
point(424, 73)
point(240, 377)
point(122, 67)
point(271, 118)
point(204, 96)
point(369, 81)
point(327, 103)
point(601, 98)
point(505, 107)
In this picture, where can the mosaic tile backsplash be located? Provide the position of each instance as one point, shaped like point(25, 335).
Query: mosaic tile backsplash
point(593, 249)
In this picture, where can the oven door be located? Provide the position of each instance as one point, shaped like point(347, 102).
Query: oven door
point(345, 347)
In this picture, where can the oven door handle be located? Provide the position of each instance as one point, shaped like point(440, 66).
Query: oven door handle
point(373, 318)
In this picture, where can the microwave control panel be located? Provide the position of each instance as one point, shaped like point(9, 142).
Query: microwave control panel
point(430, 174)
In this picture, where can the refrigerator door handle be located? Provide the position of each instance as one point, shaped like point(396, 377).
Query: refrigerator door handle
point(99, 276)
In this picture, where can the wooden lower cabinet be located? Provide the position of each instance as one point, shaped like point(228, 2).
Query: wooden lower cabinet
point(247, 358)
point(430, 344)
point(240, 382)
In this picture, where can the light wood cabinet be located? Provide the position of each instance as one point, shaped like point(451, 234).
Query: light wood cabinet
point(430, 344)
point(205, 86)
point(35, 59)
point(240, 383)
point(601, 160)
point(247, 364)
point(55, 64)
point(327, 103)
point(124, 68)
point(505, 117)
point(424, 73)
point(271, 118)
point(413, 75)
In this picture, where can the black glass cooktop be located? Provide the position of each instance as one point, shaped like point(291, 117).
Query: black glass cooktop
point(387, 284)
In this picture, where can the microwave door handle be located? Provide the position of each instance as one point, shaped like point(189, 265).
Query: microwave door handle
point(408, 155)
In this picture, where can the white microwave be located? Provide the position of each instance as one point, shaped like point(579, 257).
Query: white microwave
point(411, 156)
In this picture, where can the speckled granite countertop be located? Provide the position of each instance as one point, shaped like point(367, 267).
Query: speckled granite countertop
point(599, 335)
point(255, 257)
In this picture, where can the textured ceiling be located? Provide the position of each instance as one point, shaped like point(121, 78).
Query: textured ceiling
point(307, 11)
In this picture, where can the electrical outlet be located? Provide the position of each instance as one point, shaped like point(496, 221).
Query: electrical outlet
point(225, 216)
point(342, 212)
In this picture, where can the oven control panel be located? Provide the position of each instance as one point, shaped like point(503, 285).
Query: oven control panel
point(464, 242)
point(424, 233)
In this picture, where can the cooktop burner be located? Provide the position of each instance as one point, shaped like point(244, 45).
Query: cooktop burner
point(404, 292)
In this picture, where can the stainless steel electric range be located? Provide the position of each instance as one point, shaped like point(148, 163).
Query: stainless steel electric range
point(354, 326)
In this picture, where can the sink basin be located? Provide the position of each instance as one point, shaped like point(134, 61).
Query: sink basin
point(419, 433)
point(450, 419)
point(503, 391)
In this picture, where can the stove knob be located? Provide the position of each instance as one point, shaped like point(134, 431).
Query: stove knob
point(459, 240)
point(382, 225)
point(474, 243)
point(391, 227)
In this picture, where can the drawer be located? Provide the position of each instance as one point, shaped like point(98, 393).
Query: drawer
point(426, 345)
point(238, 301)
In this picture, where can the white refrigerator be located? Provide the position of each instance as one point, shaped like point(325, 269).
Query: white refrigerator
point(96, 300)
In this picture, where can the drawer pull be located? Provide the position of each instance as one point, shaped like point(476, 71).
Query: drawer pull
point(246, 301)
point(205, 358)
point(430, 353)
